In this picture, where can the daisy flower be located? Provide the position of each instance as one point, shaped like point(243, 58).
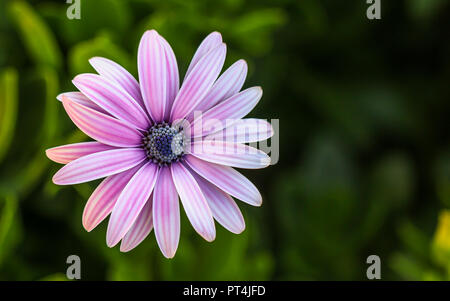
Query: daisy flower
point(152, 149)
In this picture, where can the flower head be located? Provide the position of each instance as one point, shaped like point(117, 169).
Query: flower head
point(152, 149)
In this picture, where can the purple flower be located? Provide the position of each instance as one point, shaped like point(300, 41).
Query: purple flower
point(142, 132)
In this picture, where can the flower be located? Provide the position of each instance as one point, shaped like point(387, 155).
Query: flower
point(143, 144)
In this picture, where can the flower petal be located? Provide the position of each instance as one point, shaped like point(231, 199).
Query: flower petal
point(198, 82)
point(244, 131)
point(227, 179)
point(99, 165)
point(173, 78)
point(194, 202)
point(153, 74)
point(213, 40)
point(228, 84)
point(233, 108)
point(81, 99)
point(69, 152)
point(116, 73)
point(130, 203)
point(140, 229)
point(102, 127)
point(230, 154)
point(102, 200)
point(223, 208)
point(166, 213)
point(112, 98)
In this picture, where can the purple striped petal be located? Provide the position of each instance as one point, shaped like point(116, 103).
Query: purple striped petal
point(173, 79)
point(140, 229)
point(228, 84)
point(233, 108)
point(112, 98)
point(166, 213)
point(244, 131)
point(194, 202)
point(67, 153)
point(81, 99)
point(153, 71)
point(227, 179)
point(99, 165)
point(101, 127)
point(230, 154)
point(130, 203)
point(198, 82)
point(116, 73)
point(223, 208)
point(213, 40)
point(102, 200)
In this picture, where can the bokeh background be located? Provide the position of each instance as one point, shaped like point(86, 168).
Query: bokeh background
point(364, 163)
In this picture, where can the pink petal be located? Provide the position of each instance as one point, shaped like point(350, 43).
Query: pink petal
point(230, 154)
point(227, 179)
point(130, 203)
point(116, 73)
point(194, 202)
point(166, 213)
point(101, 127)
point(198, 82)
point(228, 84)
point(140, 229)
point(112, 98)
point(213, 40)
point(233, 108)
point(102, 200)
point(99, 165)
point(153, 71)
point(244, 131)
point(223, 208)
point(173, 79)
point(67, 153)
point(81, 99)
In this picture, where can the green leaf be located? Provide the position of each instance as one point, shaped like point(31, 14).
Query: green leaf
point(8, 108)
point(407, 267)
point(96, 16)
point(254, 29)
point(441, 240)
point(51, 84)
point(8, 220)
point(36, 35)
point(100, 46)
point(21, 180)
point(415, 240)
point(259, 20)
point(55, 277)
point(125, 269)
point(38, 163)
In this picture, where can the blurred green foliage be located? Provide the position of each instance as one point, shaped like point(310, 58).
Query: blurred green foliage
point(365, 157)
point(8, 108)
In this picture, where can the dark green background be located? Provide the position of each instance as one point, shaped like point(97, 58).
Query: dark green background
point(364, 139)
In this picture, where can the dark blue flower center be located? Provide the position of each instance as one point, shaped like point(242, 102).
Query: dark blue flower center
point(164, 144)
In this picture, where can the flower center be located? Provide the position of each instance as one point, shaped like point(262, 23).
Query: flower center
point(164, 144)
